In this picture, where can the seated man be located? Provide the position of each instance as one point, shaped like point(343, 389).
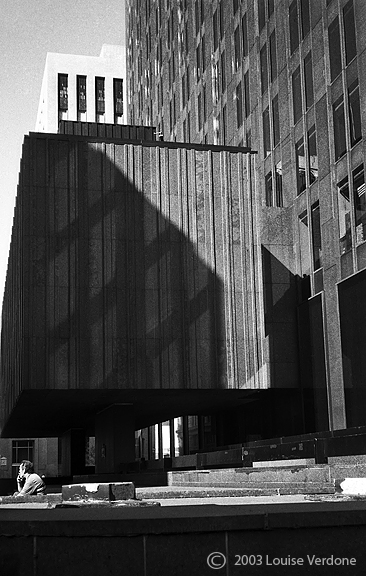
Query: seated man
point(28, 482)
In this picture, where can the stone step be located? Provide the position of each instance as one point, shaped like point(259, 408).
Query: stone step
point(242, 477)
point(170, 492)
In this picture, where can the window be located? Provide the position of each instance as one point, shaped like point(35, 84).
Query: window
point(279, 192)
point(270, 7)
point(339, 128)
point(276, 121)
point(22, 450)
point(99, 96)
point(300, 166)
point(359, 201)
point(349, 31)
point(237, 56)
point(312, 155)
point(247, 94)
point(304, 244)
point(294, 27)
point(344, 217)
point(235, 6)
point(316, 236)
point(268, 188)
point(266, 132)
point(354, 113)
point(215, 30)
point(223, 71)
point(81, 94)
point(199, 109)
point(118, 96)
point(261, 14)
point(222, 29)
point(264, 68)
point(62, 92)
point(244, 27)
point(305, 17)
point(308, 75)
point(334, 49)
point(296, 94)
point(273, 55)
point(239, 105)
point(198, 61)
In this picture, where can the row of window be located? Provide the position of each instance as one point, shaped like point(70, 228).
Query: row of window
point(63, 96)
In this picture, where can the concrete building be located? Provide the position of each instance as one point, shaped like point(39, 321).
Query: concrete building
point(83, 88)
point(134, 271)
point(288, 79)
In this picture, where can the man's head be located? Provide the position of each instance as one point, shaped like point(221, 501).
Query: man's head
point(26, 467)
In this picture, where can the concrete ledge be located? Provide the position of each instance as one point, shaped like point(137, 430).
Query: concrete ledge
point(40, 498)
point(99, 491)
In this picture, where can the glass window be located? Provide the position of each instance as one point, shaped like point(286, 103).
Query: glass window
point(296, 94)
point(81, 93)
point(305, 17)
point(294, 27)
point(354, 113)
point(349, 31)
point(199, 109)
point(197, 15)
point(304, 244)
point(269, 189)
point(62, 92)
point(22, 450)
point(308, 74)
point(222, 29)
point(264, 68)
point(198, 61)
point(300, 166)
point(224, 124)
point(99, 95)
point(237, 56)
point(266, 132)
point(239, 105)
point(334, 49)
point(244, 27)
point(118, 96)
point(339, 128)
point(279, 192)
point(313, 155)
point(359, 200)
point(344, 216)
point(273, 55)
point(247, 94)
point(276, 121)
point(316, 236)
point(223, 72)
point(261, 14)
point(215, 30)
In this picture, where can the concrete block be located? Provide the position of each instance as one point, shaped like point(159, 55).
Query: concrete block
point(99, 491)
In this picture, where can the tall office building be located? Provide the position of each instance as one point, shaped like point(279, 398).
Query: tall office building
point(287, 79)
point(83, 88)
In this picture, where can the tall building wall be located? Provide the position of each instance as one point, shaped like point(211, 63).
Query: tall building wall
point(132, 268)
point(288, 79)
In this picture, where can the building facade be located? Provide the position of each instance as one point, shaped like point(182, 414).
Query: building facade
point(288, 79)
point(83, 88)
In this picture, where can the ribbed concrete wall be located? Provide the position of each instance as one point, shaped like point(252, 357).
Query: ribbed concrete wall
point(132, 267)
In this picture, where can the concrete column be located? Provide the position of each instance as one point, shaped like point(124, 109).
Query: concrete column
point(72, 445)
point(114, 438)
